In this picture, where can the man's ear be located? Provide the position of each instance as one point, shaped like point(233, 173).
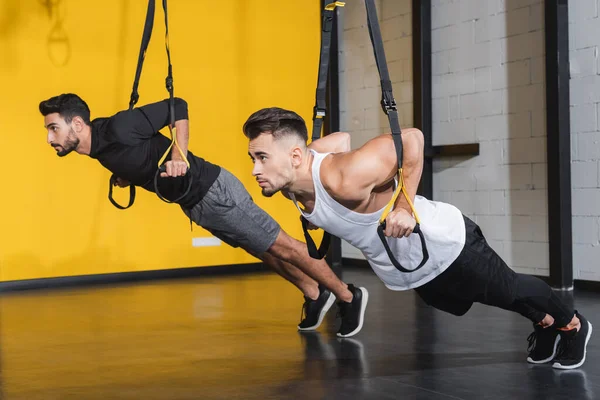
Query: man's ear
point(77, 123)
point(297, 154)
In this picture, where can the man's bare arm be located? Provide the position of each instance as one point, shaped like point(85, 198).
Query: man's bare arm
point(354, 175)
point(412, 168)
point(182, 132)
point(337, 142)
point(177, 165)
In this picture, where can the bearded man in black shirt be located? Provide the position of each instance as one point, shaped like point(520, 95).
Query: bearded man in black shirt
point(130, 145)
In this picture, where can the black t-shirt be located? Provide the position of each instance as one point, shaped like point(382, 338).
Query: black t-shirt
point(130, 145)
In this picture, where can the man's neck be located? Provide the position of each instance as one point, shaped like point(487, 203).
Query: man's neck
point(303, 187)
point(85, 141)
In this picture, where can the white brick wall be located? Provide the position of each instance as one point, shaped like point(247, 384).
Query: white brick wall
point(584, 42)
point(488, 87)
point(361, 113)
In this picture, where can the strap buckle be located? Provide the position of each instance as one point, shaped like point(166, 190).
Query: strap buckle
point(388, 103)
point(319, 112)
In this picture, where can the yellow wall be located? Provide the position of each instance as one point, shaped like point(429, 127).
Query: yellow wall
point(230, 58)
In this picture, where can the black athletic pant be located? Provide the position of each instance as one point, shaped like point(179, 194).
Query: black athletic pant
point(480, 275)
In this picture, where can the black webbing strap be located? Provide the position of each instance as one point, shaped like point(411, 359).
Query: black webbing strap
point(320, 109)
point(111, 183)
point(134, 97)
point(169, 86)
point(143, 47)
point(310, 243)
point(169, 79)
point(319, 113)
point(388, 103)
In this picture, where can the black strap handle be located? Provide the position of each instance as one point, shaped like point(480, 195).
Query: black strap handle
point(111, 183)
point(163, 168)
point(310, 243)
point(395, 262)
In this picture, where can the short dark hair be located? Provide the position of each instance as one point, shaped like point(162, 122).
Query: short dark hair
point(277, 122)
point(68, 105)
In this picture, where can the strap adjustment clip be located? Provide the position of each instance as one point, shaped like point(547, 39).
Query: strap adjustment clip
point(388, 103)
point(319, 112)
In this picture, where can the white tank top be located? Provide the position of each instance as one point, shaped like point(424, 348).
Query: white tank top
point(442, 225)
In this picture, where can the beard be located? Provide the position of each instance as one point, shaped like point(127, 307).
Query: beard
point(70, 144)
point(268, 192)
point(273, 189)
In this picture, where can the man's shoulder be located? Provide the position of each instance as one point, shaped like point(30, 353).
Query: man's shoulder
point(99, 123)
point(330, 173)
point(112, 127)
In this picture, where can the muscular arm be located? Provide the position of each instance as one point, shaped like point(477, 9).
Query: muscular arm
point(141, 123)
point(337, 142)
point(354, 175)
point(412, 168)
point(182, 132)
point(134, 126)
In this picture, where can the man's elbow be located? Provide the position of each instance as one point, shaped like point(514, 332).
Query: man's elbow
point(345, 142)
point(181, 108)
point(417, 138)
point(180, 103)
point(414, 145)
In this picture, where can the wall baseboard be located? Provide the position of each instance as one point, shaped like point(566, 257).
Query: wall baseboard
point(181, 273)
point(127, 277)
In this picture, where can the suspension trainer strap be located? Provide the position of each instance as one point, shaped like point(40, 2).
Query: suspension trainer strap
point(134, 97)
point(388, 104)
point(172, 129)
point(310, 243)
point(169, 86)
point(319, 112)
point(320, 109)
point(143, 47)
point(111, 183)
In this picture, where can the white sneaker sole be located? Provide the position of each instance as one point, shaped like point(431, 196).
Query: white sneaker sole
point(556, 342)
point(324, 310)
point(363, 307)
point(579, 364)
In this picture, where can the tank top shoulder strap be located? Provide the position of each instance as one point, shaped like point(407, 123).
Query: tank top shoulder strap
point(319, 189)
point(316, 172)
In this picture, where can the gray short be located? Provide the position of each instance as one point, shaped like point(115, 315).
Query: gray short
point(228, 212)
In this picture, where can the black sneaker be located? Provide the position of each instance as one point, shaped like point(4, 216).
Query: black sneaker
point(313, 311)
point(573, 345)
point(353, 313)
point(543, 343)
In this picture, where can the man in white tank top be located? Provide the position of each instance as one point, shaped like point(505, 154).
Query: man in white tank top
point(345, 191)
